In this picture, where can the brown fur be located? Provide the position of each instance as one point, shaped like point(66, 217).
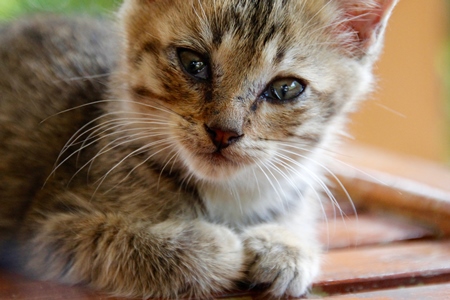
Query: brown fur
point(166, 185)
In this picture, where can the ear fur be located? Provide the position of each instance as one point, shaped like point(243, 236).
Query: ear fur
point(367, 20)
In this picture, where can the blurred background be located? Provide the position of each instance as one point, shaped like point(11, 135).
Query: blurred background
point(408, 113)
point(12, 8)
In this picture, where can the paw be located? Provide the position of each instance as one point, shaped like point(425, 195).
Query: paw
point(279, 262)
point(209, 259)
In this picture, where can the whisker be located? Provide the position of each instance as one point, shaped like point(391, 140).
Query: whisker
point(173, 157)
point(361, 171)
point(391, 110)
point(98, 132)
point(105, 150)
point(112, 127)
point(260, 165)
point(293, 170)
point(85, 77)
point(102, 151)
point(80, 132)
point(320, 165)
point(160, 107)
point(131, 154)
point(257, 182)
point(293, 185)
point(141, 163)
point(185, 182)
point(289, 162)
point(326, 189)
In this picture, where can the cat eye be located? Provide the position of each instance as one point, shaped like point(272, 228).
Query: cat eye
point(285, 89)
point(194, 63)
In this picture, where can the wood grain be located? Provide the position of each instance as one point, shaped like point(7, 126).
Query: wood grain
point(430, 292)
point(406, 186)
point(378, 267)
point(368, 229)
point(18, 287)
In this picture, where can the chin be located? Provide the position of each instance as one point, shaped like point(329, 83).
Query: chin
point(214, 167)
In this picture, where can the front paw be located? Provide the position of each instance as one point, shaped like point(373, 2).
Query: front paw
point(279, 261)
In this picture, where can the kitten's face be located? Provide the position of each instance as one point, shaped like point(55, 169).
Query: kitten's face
point(240, 83)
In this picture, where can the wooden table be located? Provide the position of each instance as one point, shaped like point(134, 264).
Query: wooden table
point(396, 247)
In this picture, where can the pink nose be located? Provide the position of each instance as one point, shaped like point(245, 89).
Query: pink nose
point(222, 138)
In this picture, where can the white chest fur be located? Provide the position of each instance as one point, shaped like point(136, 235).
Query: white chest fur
point(257, 195)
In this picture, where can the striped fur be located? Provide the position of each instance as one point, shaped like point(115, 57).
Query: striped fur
point(168, 185)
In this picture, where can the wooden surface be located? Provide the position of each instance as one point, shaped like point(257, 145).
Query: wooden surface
point(396, 247)
point(429, 292)
point(401, 185)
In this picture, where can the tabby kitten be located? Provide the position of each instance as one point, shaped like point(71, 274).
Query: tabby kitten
point(190, 140)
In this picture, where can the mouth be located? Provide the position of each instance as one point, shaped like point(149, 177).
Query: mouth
point(208, 162)
point(218, 157)
point(214, 166)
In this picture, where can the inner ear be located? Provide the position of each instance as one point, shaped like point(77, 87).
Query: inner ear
point(367, 19)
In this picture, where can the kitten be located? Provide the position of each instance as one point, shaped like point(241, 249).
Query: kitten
point(190, 140)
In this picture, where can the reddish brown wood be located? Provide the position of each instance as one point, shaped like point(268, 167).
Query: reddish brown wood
point(410, 187)
point(343, 208)
point(368, 229)
point(385, 266)
point(17, 287)
point(423, 172)
point(429, 292)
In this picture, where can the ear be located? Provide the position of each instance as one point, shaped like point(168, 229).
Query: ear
point(367, 20)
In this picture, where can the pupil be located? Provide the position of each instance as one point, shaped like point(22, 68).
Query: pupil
point(284, 90)
point(196, 67)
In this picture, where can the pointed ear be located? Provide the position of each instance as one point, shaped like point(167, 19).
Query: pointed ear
point(367, 20)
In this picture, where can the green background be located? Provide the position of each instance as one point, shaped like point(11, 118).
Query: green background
point(11, 8)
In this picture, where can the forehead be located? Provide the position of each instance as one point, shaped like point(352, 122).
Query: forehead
point(244, 23)
point(258, 33)
point(253, 23)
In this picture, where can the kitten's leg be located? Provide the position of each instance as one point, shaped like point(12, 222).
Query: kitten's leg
point(282, 261)
point(111, 253)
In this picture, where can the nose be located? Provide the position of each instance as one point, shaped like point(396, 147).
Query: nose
point(222, 138)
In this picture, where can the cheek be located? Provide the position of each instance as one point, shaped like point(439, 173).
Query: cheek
point(277, 121)
point(167, 91)
point(182, 95)
point(188, 134)
point(305, 124)
point(146, 77)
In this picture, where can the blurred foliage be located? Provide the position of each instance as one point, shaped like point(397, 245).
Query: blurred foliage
point(12, 8)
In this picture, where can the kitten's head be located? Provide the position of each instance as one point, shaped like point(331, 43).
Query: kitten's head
point(242, 83)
